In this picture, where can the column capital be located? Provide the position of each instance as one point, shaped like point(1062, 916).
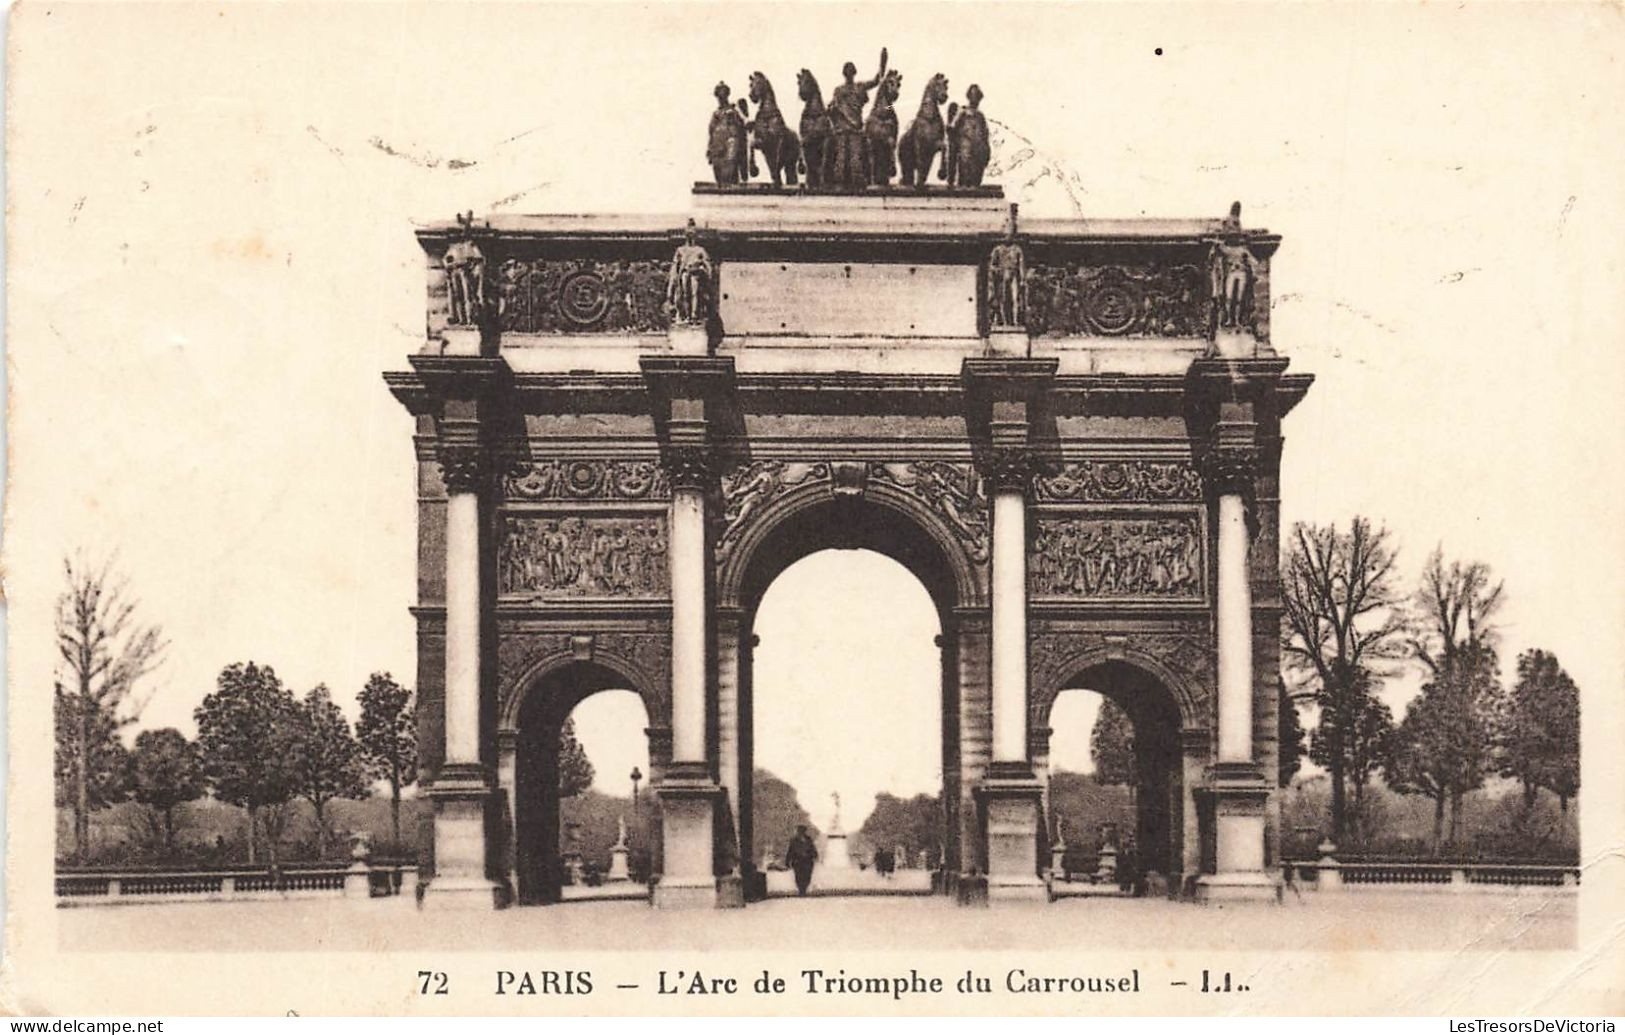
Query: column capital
point(463, 465)
point(1230, 470)
point(1012, 468)
point(690, 467)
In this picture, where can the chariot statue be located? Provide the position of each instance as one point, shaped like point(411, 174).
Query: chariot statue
point(926, 135)
point(726, 149)
point(846, 123)
point(968, 146)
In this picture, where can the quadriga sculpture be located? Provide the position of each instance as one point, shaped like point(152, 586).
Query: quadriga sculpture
point(817, 138)
point(779, 146)
point(880, 130)
point(924, 139)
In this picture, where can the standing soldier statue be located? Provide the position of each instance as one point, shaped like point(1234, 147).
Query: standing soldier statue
point(688, 288)
point(465, 275)
point(725, 145)
point(1232, 276)
point(846, 123)
point(1007, 279)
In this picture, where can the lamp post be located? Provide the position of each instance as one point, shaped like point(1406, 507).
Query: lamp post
point(637, 775)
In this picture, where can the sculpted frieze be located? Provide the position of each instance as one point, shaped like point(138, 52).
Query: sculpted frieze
point(575, 557)
point(1113, 481)
point(555, 479)
point(1117, 300)
point(551, 296)
point(953, 491)
point(1133, 557)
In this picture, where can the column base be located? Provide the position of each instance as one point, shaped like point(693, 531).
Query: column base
point(452, 894)
point(461, 794)
point(674, 894)
point(689, 800)
point(1237, 887)
point(1011, 801)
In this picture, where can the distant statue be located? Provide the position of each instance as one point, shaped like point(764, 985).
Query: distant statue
point(968, 147)
point(465, 275)
point(620, 831)
point(1007, 279)
point(926, 135)
point(726, 147)
point(835, 817)
point(880, 131)
point(817, 137)
point(688, 287)
point(778, 144)
point(846, 123)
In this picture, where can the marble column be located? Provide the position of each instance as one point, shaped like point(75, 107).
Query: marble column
point(688, 793)
point(1236, 781)
point(461, 791)
point(1011, 795)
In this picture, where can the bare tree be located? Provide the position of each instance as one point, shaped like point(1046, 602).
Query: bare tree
point(1456, 607)
point(105, 651)
point(1344, 623)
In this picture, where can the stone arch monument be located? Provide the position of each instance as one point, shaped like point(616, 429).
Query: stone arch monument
point(1069, 430)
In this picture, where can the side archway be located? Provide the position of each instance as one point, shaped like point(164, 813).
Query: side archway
point(528, 763)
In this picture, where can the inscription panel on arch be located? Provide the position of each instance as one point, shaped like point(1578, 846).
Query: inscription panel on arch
point(886, 300)
point(1118, 555)
point(583, 557)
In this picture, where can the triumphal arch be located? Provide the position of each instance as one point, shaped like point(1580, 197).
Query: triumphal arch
point(1068, 430)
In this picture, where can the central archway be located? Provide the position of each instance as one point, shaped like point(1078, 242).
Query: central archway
point(895, 525)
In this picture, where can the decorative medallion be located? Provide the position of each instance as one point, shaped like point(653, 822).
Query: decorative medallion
point(583, 298)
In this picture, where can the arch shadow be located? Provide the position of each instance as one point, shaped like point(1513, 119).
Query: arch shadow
point(534, 722)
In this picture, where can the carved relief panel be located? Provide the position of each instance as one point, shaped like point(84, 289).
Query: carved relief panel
point(551, 296)
point(1146, 556)
point(556, 479)
point(582, 556)
point(1117, 300)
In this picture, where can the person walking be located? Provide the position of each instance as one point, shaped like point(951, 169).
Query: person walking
point(800, 857)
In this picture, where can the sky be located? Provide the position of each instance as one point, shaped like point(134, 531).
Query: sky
point(212, 263)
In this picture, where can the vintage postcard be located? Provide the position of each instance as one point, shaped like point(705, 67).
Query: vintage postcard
point(1080, 509)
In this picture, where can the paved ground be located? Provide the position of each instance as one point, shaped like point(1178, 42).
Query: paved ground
point(1359, 920)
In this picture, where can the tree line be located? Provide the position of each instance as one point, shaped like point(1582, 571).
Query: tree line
point(1349, 626)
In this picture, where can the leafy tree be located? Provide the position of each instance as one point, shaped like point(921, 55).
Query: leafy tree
point(1111, 746)
point(914, 823)
point(248, 736)
point(1289, 738)
point(775, 813)
point(388, 734)
point(104, 653)
point(327, 758)
point(1343, 622)
point(1360, 726)
point(165, 773)
point(1444, 748)
point(1542, 732)
point(106, 779)
point(575, 769)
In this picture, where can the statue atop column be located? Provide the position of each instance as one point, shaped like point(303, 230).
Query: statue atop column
point(726, 148)
point(1232, 274)
point(465, 275)
point(968, 147)
point(1007, 279)
point(846, 123)
point(688, 287)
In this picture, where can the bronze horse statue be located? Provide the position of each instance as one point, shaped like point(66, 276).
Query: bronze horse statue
point(817, 137)
point(776, 141)
point(880, 130)
point(924, 139)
